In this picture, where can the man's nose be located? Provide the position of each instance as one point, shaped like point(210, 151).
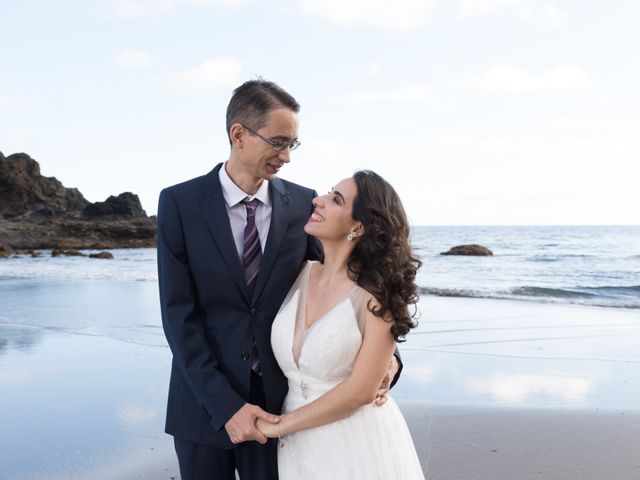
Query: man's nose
point(284, 155)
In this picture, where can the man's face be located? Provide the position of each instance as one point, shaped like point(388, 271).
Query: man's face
point(260, 159)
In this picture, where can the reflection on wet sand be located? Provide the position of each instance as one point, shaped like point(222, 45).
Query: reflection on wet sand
point(84, 369)
point(23, 339)
point(527, 355)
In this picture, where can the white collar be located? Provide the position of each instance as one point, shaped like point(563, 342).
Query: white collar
point(234, 194)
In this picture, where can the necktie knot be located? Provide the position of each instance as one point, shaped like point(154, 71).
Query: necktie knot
point(251, 206)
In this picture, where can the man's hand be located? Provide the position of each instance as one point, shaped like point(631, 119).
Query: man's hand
point(383, 392)
point(242, 426)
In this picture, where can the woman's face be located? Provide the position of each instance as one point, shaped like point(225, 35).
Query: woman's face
point(331, 219)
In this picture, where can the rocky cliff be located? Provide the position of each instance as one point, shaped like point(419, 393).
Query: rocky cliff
point(39, 212)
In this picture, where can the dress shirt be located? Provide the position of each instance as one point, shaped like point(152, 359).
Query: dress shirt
point(233, 196)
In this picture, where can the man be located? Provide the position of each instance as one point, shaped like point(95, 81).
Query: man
point(230, 245)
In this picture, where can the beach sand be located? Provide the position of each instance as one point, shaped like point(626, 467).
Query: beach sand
point(500, 443)
point(492, 389)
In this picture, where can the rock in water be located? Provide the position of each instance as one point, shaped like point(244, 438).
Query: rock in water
point(470, 250)
point(105, 255)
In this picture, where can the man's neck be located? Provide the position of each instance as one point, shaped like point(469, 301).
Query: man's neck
point(246, 182)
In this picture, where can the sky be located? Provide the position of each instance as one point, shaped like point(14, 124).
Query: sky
point(478, 112)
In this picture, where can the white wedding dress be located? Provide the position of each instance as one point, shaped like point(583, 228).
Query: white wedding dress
point(373, 442)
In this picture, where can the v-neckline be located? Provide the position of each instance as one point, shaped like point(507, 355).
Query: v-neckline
point(299, 329)
point(306, 329)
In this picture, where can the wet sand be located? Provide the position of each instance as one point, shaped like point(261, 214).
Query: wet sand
point(501, 443)
point(491, 389)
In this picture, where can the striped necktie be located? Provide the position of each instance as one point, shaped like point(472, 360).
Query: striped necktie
point(251, 257)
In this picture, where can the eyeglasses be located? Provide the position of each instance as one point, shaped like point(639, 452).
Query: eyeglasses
point(278, 145)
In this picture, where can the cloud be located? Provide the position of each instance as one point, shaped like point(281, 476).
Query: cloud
point(398, 15)
point(549, 14)
point(512, 79)
point(13, 101)
point(210, 74)
point(132, 59)
point(146, 8)
point(525, 9)
point(475, 7)
point(577, 121)
point(407, 94)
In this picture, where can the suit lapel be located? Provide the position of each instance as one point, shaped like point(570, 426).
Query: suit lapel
point(280, 214)
point(215, 212)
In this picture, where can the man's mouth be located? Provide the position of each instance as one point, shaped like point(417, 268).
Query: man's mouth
point(275, 166)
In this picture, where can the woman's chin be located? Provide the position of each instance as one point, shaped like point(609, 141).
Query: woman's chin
point(311, 229)
point(308, 228)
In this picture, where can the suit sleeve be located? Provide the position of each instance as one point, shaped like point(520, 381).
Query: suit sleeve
point(397, 377)
point(182, 321)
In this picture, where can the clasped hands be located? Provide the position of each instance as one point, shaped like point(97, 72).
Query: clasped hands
point(252, 423)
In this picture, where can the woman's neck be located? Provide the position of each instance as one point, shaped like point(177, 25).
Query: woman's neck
point(336, 259)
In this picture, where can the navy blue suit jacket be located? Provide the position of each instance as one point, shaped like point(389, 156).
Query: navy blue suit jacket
point(208, 317)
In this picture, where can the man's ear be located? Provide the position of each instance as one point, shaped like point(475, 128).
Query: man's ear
point(236, 135)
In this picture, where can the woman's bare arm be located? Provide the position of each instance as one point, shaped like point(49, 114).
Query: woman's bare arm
point(359, 389)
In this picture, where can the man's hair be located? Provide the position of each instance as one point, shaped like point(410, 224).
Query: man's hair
point(253, 100)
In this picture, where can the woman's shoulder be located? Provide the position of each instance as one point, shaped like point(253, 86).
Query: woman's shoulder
point(308, 265)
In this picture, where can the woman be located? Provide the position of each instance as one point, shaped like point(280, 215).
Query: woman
point(334, 337)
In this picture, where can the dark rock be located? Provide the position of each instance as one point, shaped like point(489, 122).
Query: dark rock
point(38, 212)
point(72, 252)
point(5, 252)
point(125, 205)
point(105, 255)
point(471, 250)
point(24, 191)
point(35, 254)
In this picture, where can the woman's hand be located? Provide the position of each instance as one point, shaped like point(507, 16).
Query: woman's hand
point(383, 392)
point(269, 430)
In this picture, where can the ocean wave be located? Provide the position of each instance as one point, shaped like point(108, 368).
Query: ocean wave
point(70, 274)
point(612, 296)
point(557, 258)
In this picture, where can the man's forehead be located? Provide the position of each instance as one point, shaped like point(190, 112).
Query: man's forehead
point(283, 122)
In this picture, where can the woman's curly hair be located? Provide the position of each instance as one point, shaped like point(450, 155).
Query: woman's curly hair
point(382, 261)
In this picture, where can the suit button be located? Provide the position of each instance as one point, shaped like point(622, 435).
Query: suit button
point(253, 311)
point(244, 356)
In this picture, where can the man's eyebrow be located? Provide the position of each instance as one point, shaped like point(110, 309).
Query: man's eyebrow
point(283, 137)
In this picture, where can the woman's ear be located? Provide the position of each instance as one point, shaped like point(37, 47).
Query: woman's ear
point(359, 229)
